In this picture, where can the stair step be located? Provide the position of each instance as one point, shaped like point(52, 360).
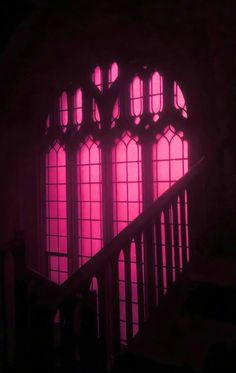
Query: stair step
point(197, 315)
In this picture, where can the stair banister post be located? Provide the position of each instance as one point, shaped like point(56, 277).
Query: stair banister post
point(140, 277)
point(149, 278)
point(128, 293)
point(168, 247)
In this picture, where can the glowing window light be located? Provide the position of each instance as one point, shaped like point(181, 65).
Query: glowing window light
point(170, 160)
point(89, 186)
point(78, 107)
point(63, 109)
point(179, 100)
point(156, 94)
point(96, 113)
point(127, 181)
point(58, 268)
point(113, 73)
point(97, 78)
point(136, 99)
point(115, 113)
point(56, 211)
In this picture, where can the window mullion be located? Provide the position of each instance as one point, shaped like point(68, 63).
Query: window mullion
point(168, 94)
point(72, 212)
point(147, 178)
point(107, 198)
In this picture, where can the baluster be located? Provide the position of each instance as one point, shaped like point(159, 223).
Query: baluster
point(128, 293)
point(183, 227)
point(140, 283)
point(116, 306)
point(160, 282)
point(41, 338)
point(21, 301)
point(168, 247)
point(111, 338)
point(104, 315)
point(176, 236)
point(2, 315)
point(87, 334)
point(67, 312)
point(149, 278)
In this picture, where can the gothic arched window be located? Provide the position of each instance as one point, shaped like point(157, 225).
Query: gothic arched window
point(115, 142)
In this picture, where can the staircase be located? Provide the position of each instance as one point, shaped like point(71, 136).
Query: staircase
point(194, 329)
point(77, 328)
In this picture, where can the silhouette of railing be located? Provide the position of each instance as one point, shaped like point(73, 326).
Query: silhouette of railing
point(101, 306)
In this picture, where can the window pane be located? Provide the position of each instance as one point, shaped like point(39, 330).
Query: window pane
point(56, 206)
point(89, 201)
point(127, 188)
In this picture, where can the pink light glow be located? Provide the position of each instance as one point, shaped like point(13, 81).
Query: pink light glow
point(127, 181)
point(156, 93)
point(96, 113)
point(56, 214)
point(170, 160)
point(78, 109)
point(113, 73)
point(115, 113)
point(97, 78)
point(136, 97)
point(58, 268)
point(63, 109)
point(179, 100)
point(89, 200)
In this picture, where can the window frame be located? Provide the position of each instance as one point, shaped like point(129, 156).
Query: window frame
point(106, 135)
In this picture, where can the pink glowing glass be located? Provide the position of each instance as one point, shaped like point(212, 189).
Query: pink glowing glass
point(170, 160)
point(113, 73)
point(78, 108)
point(136, 97)
point(156, 93)
point(179, 100)
point(127, 181)
point(89, 187)
point(56, 208)
point(96, 113)
point(63, 109)
point(116, 110)
point(97, 78)
point(58, 269)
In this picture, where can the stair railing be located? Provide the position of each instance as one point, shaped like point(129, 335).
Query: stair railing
point(98, 310)
point(133, 272)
